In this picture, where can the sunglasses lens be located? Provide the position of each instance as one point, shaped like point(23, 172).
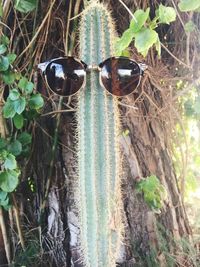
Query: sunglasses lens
point(65, 76)
point(120, 76)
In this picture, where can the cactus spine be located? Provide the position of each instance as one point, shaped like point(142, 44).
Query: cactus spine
point(99, 161)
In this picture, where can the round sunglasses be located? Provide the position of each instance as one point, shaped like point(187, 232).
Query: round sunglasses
point(65, 76)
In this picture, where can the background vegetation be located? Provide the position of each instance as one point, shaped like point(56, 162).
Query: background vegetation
point(165, 35)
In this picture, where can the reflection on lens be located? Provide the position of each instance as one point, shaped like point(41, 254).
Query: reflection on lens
point(65, 76)
point(120, 76)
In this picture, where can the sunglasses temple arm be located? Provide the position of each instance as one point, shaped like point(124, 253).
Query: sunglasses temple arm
point(42, 66)
point(143, 67)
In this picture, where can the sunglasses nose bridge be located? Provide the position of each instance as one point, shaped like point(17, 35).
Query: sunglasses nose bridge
point(92, 67)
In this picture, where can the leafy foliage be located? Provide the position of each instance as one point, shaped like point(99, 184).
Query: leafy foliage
point(190, 26)
point(25, 6)
point(4, 199)
point(166, 14)
point(9, 173)
point(189, 5)
point(153, 191)
point(142, 30)
point(21, 100)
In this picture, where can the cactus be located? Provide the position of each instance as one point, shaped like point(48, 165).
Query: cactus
point(99, 160)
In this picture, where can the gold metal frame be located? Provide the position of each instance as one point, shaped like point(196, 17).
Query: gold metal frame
point(88, 68)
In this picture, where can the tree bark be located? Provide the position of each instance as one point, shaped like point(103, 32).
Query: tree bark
point(150, 239)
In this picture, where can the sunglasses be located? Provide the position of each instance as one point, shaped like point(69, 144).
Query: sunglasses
point(65, 76)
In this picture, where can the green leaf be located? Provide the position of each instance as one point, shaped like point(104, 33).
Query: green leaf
point(124, 41)
point(189, 26)
point(36, 101)
point(25, 6)
point(25, 85)
point(29, 87)
point(166, 14)
point(188, 5)
point(8, 77)
point(20, 104)
point(22, 83)
point(9, 109)
point(30, 114)
point(9, 180)
point(4, 40)
point(25, 138)
point(18, 75)
point(4, 63)
point(152, 183)
point(18, 121)
point(14, 94)
point(10, 162)
point(3, 143)
point(197, 105)
point(126, 132)
point(11, 57)
point(5, 203)
point(154, 23)
point(15, 148)
point(145, 39)
point(3, 195)
point(158, 47)
point(3, 49)
point(125, 53)
point(141, 16)
point(151, 187)
point(4, 199)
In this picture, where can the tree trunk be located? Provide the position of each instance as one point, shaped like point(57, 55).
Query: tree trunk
point(151, 239)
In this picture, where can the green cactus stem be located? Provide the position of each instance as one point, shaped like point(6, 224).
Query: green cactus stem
point(99, 160)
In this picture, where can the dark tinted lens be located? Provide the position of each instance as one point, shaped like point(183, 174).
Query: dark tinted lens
point(65, 76)
point(120, 76)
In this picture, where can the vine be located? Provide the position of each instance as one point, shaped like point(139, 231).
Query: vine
point(21, 106)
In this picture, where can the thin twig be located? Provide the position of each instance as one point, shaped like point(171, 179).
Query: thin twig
point(181, 21)
point(46, 133)
point(188, 42)
point(57, 111)
point(177, 59)
point(77, 16)
point(74, 26)
point(55, 143)
point(5, 236)
point(184, 155)
point(126, 105)
point(128, 10)
point(3, 24)
point(6, 8)
point(39, 29)
point(67, 28)
point(6, 240)
point(18, 224)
